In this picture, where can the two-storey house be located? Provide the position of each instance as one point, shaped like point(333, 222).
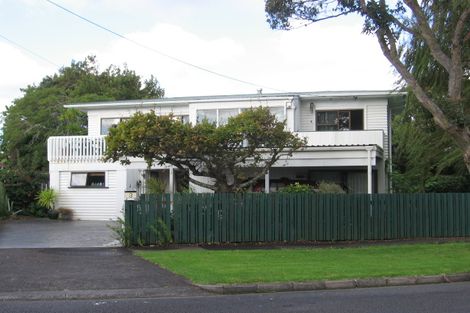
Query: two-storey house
point(348, 137)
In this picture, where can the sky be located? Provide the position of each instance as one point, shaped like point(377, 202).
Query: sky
point(230, 37)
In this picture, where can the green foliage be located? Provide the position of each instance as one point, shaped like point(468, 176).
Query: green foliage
point(37, 210)
point(161, 232)
point(328, 187)
point(427, 43)
point(447, 183)
point(253, 139)
point(47, 198)
point(155, 186)
point(296, 188)
point(123, 232)
point(421, 151)
point(40, 113)
point(424, 153)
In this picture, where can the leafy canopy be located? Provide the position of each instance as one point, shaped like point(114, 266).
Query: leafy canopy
point(434, 34)
point(39, 114)
point(234, 155)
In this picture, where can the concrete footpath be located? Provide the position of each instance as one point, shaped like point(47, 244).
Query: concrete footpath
point(85, 273)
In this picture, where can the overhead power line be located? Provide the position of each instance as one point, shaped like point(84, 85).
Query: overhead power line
point(28, 50)
point(160, 52)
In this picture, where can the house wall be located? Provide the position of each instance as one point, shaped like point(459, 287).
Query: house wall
point(375, 113)
point(90, 203)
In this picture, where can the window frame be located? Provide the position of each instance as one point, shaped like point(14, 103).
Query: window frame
point(217, 121)
point(87, 185)
point(110, 118)
point(337, 122)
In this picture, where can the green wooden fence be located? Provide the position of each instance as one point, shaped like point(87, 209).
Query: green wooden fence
point(145, 216)
point(252, 217)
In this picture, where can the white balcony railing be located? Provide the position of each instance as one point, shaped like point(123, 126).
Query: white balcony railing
point(344, 138)
point(75, 149)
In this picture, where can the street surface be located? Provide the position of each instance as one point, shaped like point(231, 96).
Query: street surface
point(449, 298)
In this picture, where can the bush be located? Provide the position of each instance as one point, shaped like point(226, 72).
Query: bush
point(65, 214)
point(155, 186)
point(447, 183)
point(327, 187)
point(162, 232)
point(296, 188)
point(36, 210)
point(123, 232)
point(47, 198)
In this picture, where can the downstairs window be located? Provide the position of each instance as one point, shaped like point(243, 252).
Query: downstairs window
point(88, 180)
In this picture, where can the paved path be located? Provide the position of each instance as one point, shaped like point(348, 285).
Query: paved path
point(84, 273)
point(46, 233)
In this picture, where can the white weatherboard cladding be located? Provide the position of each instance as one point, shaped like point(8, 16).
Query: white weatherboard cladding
point(376, 118)
point(306, 117)
point(92, 203)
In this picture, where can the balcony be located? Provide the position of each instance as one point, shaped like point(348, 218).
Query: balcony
point(75, 149)
point(81, 149)
point(344, 138)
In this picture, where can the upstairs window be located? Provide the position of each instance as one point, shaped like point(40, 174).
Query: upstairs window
point(108, 123)
point(89, 179)
point(340, 120)
point(278, 112)
point(225, 114)
point(220, 117)
point(209, 115)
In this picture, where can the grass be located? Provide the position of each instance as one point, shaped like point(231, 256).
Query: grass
point(306, 264)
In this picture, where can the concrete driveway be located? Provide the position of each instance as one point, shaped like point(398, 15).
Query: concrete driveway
point(46, 233)
point(85, 273)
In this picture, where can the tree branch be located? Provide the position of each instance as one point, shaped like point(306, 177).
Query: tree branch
point(391, 53)
point(427, 34)
point(456, 73)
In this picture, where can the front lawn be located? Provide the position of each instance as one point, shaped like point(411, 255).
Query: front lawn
point(306, 264)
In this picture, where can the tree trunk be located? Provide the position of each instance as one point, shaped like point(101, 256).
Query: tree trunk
point(466, 157)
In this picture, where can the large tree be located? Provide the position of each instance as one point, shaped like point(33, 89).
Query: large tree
point(39, 114)
point(234, 155)
point(440, 28)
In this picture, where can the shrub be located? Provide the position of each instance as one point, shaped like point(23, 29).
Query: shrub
point(65, 214)
point(162, 232)
point(296, 188)
point(447, 183)
point(37, 210)
point(328, 187)
point(123, 232)
point(155, 186)
point(47, 198)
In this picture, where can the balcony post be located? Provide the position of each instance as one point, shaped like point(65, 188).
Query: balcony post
point(369, 171)
point(266, 182)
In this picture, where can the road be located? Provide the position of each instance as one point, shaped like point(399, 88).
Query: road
point(450, 298)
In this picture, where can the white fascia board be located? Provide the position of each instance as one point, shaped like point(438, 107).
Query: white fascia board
point(350, 94)
point(133, 104)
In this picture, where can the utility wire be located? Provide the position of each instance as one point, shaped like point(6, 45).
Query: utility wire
point(29, 51)
point(158, 51)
